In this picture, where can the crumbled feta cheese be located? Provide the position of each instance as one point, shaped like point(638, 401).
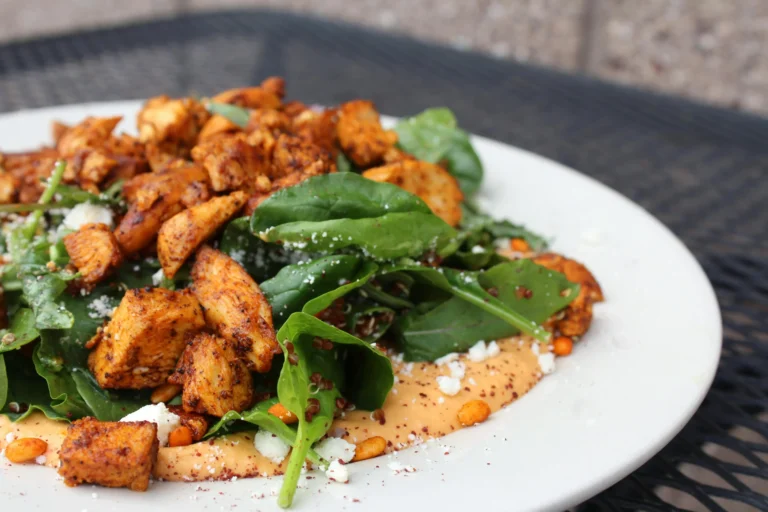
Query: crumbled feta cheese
point(158, 277)
point(535, 348)
point(86, 213)
point(478, 249)
point(40, 459)
point(101, 306)
point(447, 358)
point(271, 446)
point(10, 437)
point(337, 472)
point(449, 385)
point(334, 448)
point(440, 400)
point(397, 467)
point(457, 369)
point(158, 414)
point(480, 351)
point(547, 363)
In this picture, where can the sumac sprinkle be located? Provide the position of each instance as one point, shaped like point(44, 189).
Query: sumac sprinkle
point(378, 415)
point(327, 345)
point(493, 291)
point(316, 378)
point(293, 359)
point(521, 292)
point(327, 384)
point(313, 407)
point(289, 347)
point(341, 403)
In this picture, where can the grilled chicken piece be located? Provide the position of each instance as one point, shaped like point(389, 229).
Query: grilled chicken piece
point(231, 162)
point(319, 128)
point(140, 346)
point(214, 378)
point(217, 125)
point(8, 186)
point(430, 182)
point(172, 124)
point(91, 133)
point(235, 307)
point(361, 135)
point(112, 454)
point(249, 97)
point(95, 252)
point(293, 155)
point(183, 233)
point(268, 119)
point(155, 198)
point(577, 316)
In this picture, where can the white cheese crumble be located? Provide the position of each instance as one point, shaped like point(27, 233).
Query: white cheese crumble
point(447, 358)
point(101, 307)
point(478, 249)
point(480, 351)
point(337, 472)
point(10, 437)
point(271, 446)
point(457, 369)
point(86, 213)
point(547, 363)
point(158, 277)
point(158, 414)
point(334, 448)
point(40, 459)
point(449, 385)
point(397, 467)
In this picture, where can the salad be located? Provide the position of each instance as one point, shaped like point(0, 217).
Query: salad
point(252, 287)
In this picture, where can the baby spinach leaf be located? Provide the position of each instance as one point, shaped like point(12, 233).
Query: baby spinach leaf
point(473, 314)
point(434, 136)
point(296, 285)
point(260, 259)
point(258, 415)
point(364, 273)
point(335, 211)
point(41, 288)
point(237, 115)
point(343, 164)
point(23, 329)
point(377, 294)
point(64, 397)
point(26, 391)
point(3, 383)
point(106, 405)
point(475, 224)
point(294, 391)
point(369, 322)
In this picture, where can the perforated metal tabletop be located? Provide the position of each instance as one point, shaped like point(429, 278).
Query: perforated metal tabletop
point(702, 171)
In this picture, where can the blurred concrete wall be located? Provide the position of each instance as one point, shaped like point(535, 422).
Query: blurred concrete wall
point(711, 50)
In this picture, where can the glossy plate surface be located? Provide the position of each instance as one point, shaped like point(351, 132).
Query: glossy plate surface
point(628, 388)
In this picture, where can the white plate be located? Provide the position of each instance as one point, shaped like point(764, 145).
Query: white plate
point(629, 387)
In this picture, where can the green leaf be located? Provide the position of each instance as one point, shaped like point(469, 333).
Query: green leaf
point(26, 390)
point(343, 164)
point(433, 136)
point(473, 314)
point(107, 405)
point(363, 314)
point(64, 396)
point(68, 196)
point(260, 259)
point(237, 115)
point(258, 415)
point(296, 285)
point(23, 329)
point(41, 288)
point(340, 210)
point(475, 224)
point(293, 387)
point(3, 383)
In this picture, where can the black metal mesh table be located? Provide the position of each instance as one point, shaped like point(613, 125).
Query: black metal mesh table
point(702, 171)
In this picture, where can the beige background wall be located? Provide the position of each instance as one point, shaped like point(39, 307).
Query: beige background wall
point(712, 50)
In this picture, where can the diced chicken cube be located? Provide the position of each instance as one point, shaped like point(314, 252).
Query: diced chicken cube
point(214, 378)
point(183, 233)
point(140, 346)
point(430, 182)
point(231, 162)
point(172, 123)
point(361, 135)
point(95, 252)
point(92, 133)
point(235, 307)
point(112, 454)
point(8, 185)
